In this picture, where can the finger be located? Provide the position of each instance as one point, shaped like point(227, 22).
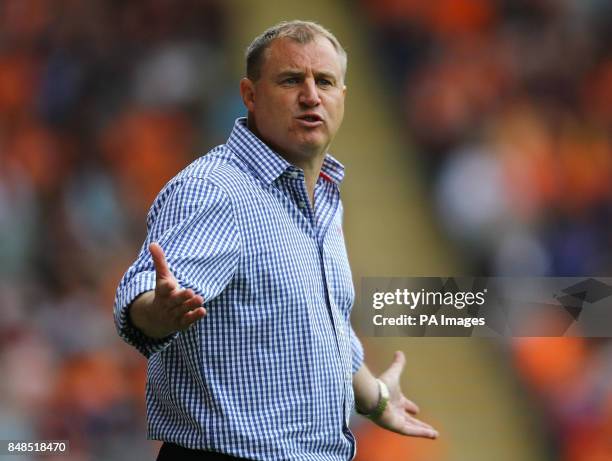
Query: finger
point(410, 406)
point(418, 422)
point(188, 305)
point(178, 297)
point(418, 431)
point(196, 301)
point(162, 270)
point(191, 317)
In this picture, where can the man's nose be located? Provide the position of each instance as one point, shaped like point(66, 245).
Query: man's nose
point(309, 94)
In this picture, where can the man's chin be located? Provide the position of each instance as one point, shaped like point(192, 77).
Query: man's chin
point(313, 141)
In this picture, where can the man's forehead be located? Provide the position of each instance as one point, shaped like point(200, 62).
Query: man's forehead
point(286, 54)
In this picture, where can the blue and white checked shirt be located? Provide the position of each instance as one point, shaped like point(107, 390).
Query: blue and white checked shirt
point(267, 374)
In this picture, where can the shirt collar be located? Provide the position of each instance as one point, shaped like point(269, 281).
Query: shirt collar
point(267, 164)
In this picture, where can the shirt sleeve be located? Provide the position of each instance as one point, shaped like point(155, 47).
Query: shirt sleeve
point(357, 353)
point(193, 221)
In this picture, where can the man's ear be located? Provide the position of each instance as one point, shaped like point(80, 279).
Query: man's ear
point(247, 92)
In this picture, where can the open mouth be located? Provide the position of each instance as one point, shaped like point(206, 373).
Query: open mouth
point(311, 119)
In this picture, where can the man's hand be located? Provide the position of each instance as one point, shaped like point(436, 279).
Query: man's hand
point(168, 308)
point(399, 414)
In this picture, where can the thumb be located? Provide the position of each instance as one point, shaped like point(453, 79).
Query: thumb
point(397, 366)
point(159, 261)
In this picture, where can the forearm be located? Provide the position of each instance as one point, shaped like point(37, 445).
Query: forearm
point(365, 389)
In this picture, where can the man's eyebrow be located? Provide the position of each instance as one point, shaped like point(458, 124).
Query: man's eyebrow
point(290, 73)
point(327, 75)
point(299, 73)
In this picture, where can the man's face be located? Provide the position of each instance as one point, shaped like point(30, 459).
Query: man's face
point(297, 104)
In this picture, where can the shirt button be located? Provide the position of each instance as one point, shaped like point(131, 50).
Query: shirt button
point(294, 174)
point(302, 204)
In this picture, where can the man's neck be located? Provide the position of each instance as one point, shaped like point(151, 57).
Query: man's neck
point(311, 162)
point(311, 174)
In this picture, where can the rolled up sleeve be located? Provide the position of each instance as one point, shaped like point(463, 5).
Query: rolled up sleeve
point(193, 221)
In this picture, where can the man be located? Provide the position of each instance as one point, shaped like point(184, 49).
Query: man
point(240, 297)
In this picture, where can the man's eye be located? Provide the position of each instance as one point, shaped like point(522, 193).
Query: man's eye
point(325, 82)
point(290, 81)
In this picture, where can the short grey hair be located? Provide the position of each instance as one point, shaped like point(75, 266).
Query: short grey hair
point(301, 31)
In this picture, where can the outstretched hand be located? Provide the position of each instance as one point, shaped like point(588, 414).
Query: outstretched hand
point(168, 308)
point(399, 416)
